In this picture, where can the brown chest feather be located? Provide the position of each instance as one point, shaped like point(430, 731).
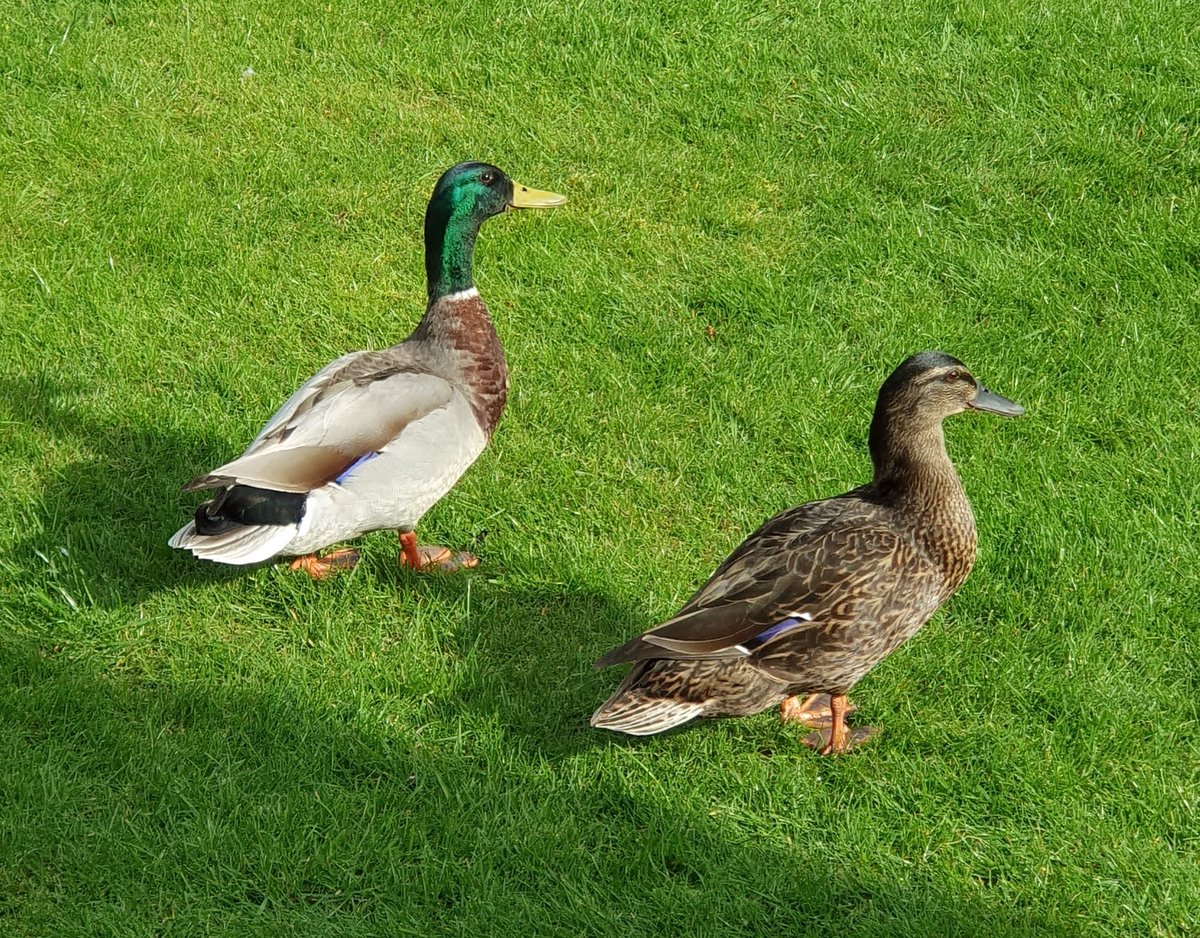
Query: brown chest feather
point(464, 331)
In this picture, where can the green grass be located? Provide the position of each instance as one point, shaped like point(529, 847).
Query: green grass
point(771, 205)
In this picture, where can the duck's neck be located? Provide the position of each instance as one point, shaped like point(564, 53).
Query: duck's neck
point(914, 474)
point(910, 458)
point(450, 232)
point(459, 319)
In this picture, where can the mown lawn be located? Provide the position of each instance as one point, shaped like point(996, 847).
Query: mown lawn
point(772, 204)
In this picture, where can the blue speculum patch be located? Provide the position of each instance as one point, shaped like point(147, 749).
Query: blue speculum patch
point(768, 634)
point(354, 465)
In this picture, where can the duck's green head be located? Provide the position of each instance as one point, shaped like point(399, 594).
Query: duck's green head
point(464, 198)
point(480, 190)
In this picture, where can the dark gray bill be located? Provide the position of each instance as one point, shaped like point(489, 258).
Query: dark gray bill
point(994, 403)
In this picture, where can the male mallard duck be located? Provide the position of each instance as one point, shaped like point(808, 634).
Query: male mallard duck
point(820, 594)
point(374, 439)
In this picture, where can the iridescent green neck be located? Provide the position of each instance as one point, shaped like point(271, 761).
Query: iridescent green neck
point(450, 230)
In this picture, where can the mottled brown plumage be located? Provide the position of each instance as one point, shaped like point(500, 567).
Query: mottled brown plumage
point(821, 593)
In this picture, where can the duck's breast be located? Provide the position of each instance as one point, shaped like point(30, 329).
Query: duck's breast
point(474, 357)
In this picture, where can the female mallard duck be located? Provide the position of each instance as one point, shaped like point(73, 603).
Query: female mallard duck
point(820, 594)
point(374, 439)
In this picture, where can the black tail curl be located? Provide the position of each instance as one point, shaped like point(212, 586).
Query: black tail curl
point(245, 505)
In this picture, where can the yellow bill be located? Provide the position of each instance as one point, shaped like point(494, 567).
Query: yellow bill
point(524, 197)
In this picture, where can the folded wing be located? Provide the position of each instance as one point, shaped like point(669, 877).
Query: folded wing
point(785, 591)
point(353, 407)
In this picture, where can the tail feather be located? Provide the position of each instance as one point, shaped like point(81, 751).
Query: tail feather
point(653, 698)
point(243, 544)
point(641, 716)
point(661, 693)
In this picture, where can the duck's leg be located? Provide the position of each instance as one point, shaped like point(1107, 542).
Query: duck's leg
point(836, 737)
point(813, 710)
point(839, 738)
point(320, 567)
point(432, 557)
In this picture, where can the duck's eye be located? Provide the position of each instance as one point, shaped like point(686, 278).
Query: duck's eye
point(488, 178)
point(952, 376)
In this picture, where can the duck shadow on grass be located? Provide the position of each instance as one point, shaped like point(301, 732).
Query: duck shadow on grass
point(264, 802)
point(112, 512)
point(528, 656)
point(137, 802)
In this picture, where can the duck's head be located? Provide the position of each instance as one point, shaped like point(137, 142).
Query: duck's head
point(481, 190)
point(914, 400)
point(930, 386)
point(466, 196)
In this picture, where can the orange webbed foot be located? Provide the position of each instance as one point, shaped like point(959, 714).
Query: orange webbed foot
point(432, 557)
point(321, 567)
point(837, 737)
point(822, 739)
